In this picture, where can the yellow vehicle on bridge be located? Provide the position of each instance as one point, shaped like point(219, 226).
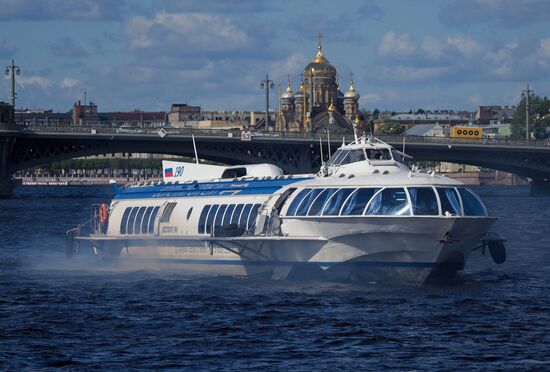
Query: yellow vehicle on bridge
point(466, 132)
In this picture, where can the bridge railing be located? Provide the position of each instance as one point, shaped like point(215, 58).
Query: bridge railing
point(236, 133)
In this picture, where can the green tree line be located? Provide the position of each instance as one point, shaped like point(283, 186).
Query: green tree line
point(539, 118)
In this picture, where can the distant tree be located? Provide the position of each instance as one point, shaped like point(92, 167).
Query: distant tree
point(539, 118)
point(420, 111)
point(376, 113)
point(410, 112)
point(391, 128)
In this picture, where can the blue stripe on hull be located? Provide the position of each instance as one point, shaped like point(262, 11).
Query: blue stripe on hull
point(291, 263)
point(222, 188)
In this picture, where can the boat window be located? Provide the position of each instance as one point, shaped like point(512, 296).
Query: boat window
point(334, 157)
point(378, 154)
point(317, 206)
point(167, 212)
point(237, 214)
point(389, 202)
point(252, 218)
point(357, 202)
point(306, 203)
point(244, 216)
point(124, 220)
point(424, 201)
point(131, 220)
point(210, 219)
point(145, 220)
point(450, 203)
point(202, 218)
point(219, 217)
point(398, 157)
point(227, 216)
point(471, 203)
point(152, 220)
point(296, 202)
point(139, 216)
point(334, 204)
point(234, 173)
point(353, 156)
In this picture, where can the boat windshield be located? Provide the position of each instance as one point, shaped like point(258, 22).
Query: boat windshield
point(341, 157)
point(379, 154)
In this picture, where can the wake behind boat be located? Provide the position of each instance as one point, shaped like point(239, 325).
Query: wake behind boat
point(364, 217)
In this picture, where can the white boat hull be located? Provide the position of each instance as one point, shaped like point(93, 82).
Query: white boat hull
point(372, 249)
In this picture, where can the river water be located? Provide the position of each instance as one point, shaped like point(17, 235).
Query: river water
point(74, 314)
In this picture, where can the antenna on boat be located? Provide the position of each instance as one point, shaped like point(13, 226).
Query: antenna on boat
point(195, 148)
point(321, 148)
point(404, 138)
point(328, 143)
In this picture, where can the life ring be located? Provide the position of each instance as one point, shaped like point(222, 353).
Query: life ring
point(103, 213)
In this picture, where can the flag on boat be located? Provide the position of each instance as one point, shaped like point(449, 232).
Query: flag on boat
point(168, 172)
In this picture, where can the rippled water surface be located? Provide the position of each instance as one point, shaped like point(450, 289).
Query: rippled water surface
point(77, 315)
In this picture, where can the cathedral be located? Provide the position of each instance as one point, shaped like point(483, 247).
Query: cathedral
point(319, 103)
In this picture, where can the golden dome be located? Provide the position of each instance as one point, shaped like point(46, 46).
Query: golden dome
point(319, 65)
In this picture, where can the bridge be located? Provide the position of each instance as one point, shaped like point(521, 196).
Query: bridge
point(27, 147)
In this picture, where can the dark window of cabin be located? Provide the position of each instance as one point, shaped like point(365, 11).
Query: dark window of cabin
point(353, 156)
point(228, 213)
point(306, 203)
point(357, 202)
point(472, 205)
point(252, 218)
point(210, 218)
point(124, 220)
point(202, 218)
point(424, 201)
point(379, 154)
point(450, 203)
point(167, 212)
point(145, 221)
point(244, 216)
point(237, 214)
point(389, 202)
point(296, 202)
point(317, 206)
point(152, 220)
point(131, 220)
point(139, 216)
point(334, 204)
point(234, 173)
point(219, 217)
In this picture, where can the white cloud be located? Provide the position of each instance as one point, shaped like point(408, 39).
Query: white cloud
point(544, 48)
point(465, 45)
point(433, 47)
point(186, 32)
point(393, 44)
point(69, 83)
point(40, 81)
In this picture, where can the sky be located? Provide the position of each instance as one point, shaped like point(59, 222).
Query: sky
point(148, 54)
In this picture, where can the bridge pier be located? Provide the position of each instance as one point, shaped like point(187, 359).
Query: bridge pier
point(540, 186)
point(6, 188)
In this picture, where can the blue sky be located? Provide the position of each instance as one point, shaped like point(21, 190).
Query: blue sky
point(147, 55)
